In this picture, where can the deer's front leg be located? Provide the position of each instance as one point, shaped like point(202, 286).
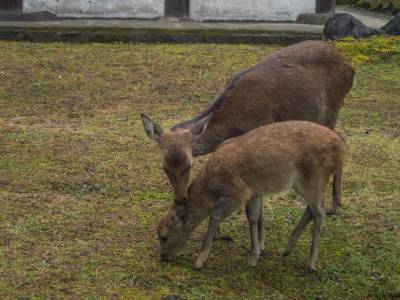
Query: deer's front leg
point(213, 225)
point(224, 208)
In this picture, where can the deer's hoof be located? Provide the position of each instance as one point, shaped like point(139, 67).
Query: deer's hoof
point(199, 263)
point(198, 266)
point(252, 259)
point(310, 267)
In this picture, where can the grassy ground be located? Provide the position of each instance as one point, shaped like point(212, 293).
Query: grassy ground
point(81, 189)
point(380, 5)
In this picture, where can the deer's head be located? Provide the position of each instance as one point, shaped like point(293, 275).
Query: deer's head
point(173, 230)
point(176, 151)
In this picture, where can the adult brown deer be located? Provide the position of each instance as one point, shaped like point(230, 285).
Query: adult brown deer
point(266, 160)
point(306, 81)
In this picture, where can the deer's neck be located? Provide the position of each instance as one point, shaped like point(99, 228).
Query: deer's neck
point(213, 136)
point(199, 203)
point(204, 146)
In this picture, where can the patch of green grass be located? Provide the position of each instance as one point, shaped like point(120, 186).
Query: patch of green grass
point(380, 5)
point(378, 49)
point(82, 191)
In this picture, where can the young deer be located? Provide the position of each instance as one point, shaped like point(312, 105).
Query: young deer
point(266, 160)
point(307, 81)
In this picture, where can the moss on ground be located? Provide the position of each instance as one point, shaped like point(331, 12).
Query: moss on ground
point(81, 189)
point(379, 5)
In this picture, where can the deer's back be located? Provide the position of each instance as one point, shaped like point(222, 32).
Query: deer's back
point(307, 81)
point(272, 157)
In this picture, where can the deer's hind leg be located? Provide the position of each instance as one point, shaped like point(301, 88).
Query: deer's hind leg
point(336, 187)
point(336, 193)
point(337, 178)
point(261, 228)
point(313, 192)
point(254, 213)
point(318, 214)
point(314, 195)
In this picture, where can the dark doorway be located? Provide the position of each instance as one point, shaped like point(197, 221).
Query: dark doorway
point(10, 6)
point(177, 8)
point(325, 6)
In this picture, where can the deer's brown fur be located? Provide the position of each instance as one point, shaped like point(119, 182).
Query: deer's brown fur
point(266, 160)
point(306, 81)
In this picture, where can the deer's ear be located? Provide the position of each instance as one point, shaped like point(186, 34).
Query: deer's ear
point(198, 128)
point(153, 130)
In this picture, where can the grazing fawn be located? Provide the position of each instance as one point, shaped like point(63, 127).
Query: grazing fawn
point(266, 160)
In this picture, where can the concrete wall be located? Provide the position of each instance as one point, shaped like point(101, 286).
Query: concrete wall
point(146, 9)
point(271, 10)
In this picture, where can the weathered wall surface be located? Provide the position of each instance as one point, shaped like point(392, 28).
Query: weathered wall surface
point(271, 10)
point(146, 9)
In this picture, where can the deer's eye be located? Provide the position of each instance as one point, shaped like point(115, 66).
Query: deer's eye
point(163, 239)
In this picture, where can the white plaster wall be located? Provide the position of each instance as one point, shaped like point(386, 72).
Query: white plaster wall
point(270, 10)
point(146, 9)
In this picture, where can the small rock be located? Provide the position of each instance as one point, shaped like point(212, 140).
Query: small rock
point(393, 26)
point(344, 25)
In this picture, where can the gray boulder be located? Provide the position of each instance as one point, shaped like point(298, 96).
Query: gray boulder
point(393, 26)
point(344, 25)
